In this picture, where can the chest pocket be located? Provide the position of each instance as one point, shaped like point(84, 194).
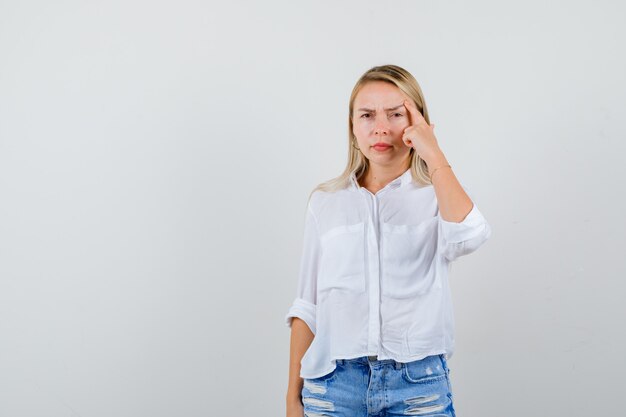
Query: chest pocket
point(408, 255)
point(342, 263)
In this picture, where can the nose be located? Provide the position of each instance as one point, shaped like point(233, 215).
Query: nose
point(382, 126)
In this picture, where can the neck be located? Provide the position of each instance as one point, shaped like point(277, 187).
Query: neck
point(376, 177)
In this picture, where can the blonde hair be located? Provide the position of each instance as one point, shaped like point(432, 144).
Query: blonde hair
point(357, 163)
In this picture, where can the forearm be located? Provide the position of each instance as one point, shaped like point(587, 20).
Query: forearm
point(301, 338)
point(454, 203)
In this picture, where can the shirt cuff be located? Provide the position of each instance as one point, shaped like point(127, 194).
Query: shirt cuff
point(303, 310)
point(471, 226)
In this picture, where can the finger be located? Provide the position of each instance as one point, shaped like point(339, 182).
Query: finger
point(415, 116)
point(407, 139)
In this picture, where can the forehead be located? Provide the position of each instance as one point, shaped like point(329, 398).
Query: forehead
point(379, 94)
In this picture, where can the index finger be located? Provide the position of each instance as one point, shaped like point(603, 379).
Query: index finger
point(415, 114)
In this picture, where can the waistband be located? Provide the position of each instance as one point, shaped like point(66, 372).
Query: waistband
point(370, 360)
point(373, 360)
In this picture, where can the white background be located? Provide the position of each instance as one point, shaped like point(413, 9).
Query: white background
point(156, 158)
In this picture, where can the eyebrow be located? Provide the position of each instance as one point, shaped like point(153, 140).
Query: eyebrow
point(392, 108)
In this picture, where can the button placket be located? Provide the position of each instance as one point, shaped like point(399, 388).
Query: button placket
point(372, 274)
point(373, 266)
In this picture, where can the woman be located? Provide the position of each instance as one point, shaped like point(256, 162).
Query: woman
point(372, 326)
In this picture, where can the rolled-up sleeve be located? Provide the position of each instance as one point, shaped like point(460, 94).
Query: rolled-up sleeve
point(464, 237)
point(304, 306)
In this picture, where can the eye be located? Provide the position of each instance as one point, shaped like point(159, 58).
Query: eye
point(398, 114)
point(366, 114)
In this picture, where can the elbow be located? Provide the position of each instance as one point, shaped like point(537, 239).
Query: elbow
point(454, 250)
point(305, 311)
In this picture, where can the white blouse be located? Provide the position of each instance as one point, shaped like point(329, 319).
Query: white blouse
point(374, 270)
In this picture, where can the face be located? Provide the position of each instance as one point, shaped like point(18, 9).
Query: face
point(379, 117)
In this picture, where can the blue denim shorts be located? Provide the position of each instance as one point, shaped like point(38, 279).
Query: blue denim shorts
point(367, 387)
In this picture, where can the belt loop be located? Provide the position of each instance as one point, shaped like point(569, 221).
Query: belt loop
point(444, 361)
point(398, 365)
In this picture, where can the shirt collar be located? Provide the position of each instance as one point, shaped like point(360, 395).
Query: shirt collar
point(402, 180)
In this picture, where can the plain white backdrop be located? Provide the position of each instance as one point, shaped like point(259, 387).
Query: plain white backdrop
point(156, 158)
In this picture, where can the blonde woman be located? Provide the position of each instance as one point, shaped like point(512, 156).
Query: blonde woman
point(372, 326)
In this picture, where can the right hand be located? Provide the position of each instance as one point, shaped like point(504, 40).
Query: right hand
point(295, 408)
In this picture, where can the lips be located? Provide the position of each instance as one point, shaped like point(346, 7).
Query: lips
point(381, 146)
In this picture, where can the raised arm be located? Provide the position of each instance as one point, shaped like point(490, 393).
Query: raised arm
point(462, 227)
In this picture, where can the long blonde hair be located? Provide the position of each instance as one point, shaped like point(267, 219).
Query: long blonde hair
point(357, 163)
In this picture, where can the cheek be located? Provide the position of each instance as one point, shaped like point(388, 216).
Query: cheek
point(360, 129)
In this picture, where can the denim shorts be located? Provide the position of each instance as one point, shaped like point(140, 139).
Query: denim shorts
point(367, 387)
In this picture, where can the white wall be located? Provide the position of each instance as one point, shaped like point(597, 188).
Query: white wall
point(156, 158)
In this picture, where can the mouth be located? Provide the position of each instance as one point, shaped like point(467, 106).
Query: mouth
point(381, 146)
